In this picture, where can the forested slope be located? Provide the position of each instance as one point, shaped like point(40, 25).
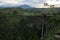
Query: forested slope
point(14, 26)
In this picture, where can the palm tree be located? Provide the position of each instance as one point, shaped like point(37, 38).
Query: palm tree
point(46, 4)
point(52, 6)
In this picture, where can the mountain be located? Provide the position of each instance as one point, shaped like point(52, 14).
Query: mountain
point(18, 6)
point(7, 6)
point(25, 6)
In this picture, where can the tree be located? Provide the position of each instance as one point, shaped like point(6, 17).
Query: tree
point(52, 6)
point(46, 4)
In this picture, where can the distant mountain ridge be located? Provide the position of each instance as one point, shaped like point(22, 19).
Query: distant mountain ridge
point(25, 6)
point(19, 6)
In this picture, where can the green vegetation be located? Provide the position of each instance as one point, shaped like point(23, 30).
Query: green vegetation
point(13, 25)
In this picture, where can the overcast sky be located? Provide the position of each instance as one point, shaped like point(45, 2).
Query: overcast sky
point(20, 2)
point(29, 2)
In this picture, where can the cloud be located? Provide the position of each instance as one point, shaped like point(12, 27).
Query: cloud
point(1, 4)
point(11, 1)
point(20, 2)
point(30, 3)
point(33, 2)
point(37, 1)
point(53, 2)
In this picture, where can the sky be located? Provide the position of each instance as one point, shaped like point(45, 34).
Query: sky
point(20, 2)
point(28, 2)
point(53, 2)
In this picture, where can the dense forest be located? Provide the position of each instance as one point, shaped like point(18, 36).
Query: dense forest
point(16, 24)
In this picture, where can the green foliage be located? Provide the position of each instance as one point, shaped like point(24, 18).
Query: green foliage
point(13, 26)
